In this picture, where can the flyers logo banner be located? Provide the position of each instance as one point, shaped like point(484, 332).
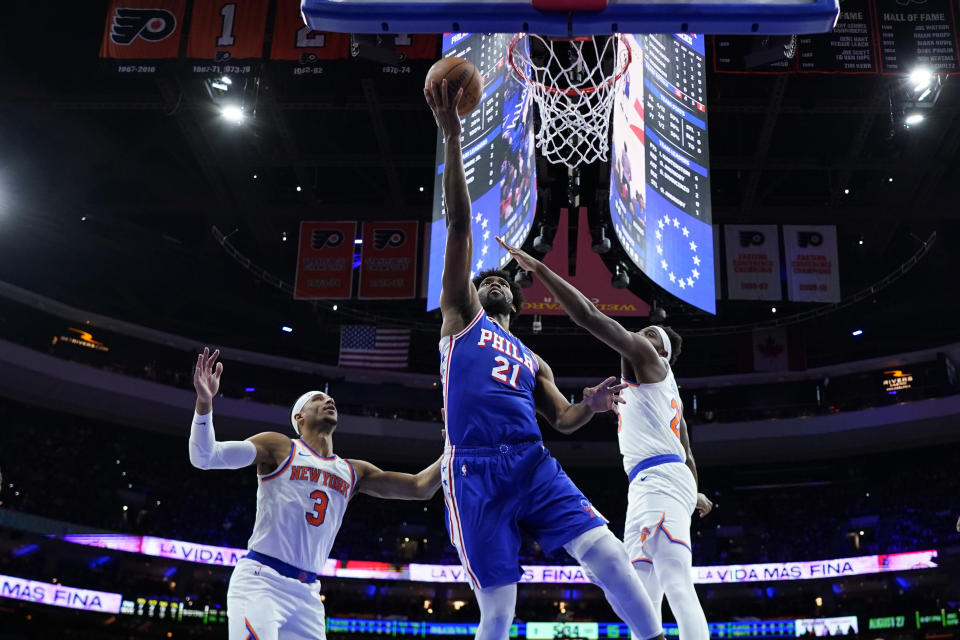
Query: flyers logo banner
point(321, 238)
point(388, 267)
point(812, 271)
point(143, 29)
point(393, 237)
point(296, 42)
point(150, 24)
point(753, 262)
point(325, 261)
point(224, 31)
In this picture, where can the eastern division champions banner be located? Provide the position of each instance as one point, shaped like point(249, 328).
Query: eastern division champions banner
point(142, 30)
point(753, 262)
point(812, 271)
point(325, 261)
point(388, 266)
point(221, 32)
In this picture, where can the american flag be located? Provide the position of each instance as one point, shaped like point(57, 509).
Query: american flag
point(369, 347)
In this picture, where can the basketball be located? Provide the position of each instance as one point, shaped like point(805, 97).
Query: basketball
point(458, 73)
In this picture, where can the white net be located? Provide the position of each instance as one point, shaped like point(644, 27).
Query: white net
point(573, 83)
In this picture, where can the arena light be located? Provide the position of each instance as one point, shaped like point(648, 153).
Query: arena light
point(914, 118)
point(921, 78)
point(232, 113)
point(249, 389)
point(857, 332)
point(286, 329)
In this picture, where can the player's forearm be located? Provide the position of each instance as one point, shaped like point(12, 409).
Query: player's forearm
point(455, 193)
point(577, 306)
point(573, 417)
point(206, 453)
point(428, 481)
point(692, 465)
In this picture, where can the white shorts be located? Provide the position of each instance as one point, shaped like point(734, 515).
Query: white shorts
point(660, 501)
point(263, 605)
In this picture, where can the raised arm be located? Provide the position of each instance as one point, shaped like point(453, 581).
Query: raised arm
point(459, 301)
point(704, 505)
point(561, 414)
point(267, 450)
point(378, 483)
point(628, 344)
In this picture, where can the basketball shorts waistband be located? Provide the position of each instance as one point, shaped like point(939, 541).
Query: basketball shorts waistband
point(652, 462)
point(496, 449)
point(281, 567)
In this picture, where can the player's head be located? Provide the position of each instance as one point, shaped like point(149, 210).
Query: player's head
point(314, 410)
point(499, 293)
point(665, 340)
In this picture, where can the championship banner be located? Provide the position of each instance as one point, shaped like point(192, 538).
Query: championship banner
point(388, 264)
point(325, 261)
point(753, 262)
point(592, 277)
point(295, 42)
point(59, 595)
point(812, 271)
point(418, 46)
point(142, 30)
point(224, 32)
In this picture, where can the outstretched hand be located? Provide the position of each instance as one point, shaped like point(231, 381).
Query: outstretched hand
point(524, 259)
point(704, 505)
point(444, 107)
point(605, 396)
point(206, 377)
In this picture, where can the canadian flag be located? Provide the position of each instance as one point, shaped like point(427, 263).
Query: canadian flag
point(770, 350)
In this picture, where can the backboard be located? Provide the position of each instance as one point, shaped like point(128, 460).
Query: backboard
point(566, 18)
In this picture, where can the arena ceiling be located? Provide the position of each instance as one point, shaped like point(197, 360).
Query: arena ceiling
point(109, 185)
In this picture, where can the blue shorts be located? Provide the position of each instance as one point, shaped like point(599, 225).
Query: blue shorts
point(494, 493)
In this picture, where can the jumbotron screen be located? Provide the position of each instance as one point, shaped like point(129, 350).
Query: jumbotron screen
point(498, 159)
point(659, 177)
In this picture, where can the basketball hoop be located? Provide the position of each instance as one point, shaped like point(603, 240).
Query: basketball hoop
point(574, 96)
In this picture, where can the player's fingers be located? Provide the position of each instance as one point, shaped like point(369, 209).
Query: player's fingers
point(428, 94)
point(457, 97)
point(606, 383)
point(219, 370)
point(444, 94)
point(619, 399)
point(199, 363)
point(619, 387)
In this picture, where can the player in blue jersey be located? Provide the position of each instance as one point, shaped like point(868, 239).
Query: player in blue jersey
point(498, 478)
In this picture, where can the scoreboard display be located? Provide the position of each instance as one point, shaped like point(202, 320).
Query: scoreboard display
point(660, 158)
point(498, 160)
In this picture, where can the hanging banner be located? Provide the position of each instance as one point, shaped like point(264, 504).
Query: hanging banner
point(812, 270)
point(915, 34)
point(142, 30)
point(753, 262)
point(223, 33)
point(388, 264)
point(592, 277)
point(849, 48)
point(296, 42)
point(325, 261)
point(418, 46)
point(770, 349)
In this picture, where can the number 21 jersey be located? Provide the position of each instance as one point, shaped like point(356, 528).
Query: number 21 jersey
point(488, 381)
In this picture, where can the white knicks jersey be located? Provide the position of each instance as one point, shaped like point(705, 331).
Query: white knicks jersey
point(650, 421)
point(300, 507)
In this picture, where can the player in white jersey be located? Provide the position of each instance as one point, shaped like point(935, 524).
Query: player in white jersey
point(656, 452)
point(303, 491)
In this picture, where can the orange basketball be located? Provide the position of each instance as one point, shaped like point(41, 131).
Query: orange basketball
point(458, 73)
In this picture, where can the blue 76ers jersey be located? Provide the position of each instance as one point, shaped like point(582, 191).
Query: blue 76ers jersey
point(488, 382)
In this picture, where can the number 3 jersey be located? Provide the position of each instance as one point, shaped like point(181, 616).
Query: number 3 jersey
point(300, 507)
point(488, 381)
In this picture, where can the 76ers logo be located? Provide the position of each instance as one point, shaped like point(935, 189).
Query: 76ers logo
point(153, 25)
